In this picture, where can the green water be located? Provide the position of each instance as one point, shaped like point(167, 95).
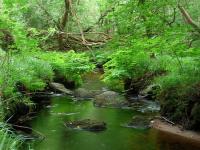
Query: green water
point(50, 122)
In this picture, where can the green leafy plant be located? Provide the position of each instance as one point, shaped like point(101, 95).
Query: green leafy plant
point(69, 65)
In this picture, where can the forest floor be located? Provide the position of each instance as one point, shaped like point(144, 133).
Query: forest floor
point(178, 131)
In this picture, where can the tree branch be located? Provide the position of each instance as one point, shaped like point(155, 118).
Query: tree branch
point(188, 18)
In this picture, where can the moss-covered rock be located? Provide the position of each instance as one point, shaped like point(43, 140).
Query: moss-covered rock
point(139, 122)
point(86, 93)
point(87, 124)
point(109, 99)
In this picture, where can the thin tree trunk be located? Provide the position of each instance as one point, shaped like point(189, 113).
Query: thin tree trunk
point(63, 23)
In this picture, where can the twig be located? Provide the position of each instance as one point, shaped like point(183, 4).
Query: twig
point(9, 118)
point(165, 119)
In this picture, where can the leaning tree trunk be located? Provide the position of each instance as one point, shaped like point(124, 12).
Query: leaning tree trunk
point(189, 19)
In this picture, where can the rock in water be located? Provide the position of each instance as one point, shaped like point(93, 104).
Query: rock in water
point(85, 93)
point(139, 122)
point(60, 87)
point(109, 98)
point(87, 124)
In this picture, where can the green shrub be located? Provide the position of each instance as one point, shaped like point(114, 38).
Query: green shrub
point(179, 92)
point(31, 72)
point(35, 71)
point(69, 65)
point(135, 62)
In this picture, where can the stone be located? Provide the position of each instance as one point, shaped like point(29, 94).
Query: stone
point(86, 124)
point(109, 98)
point(139, 122)
point(60, 88)
point(85, 93)
point(149, 92)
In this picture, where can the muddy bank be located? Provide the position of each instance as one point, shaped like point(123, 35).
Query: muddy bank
point(187, 135)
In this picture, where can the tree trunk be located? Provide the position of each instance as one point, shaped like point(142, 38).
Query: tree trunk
point(63, 23)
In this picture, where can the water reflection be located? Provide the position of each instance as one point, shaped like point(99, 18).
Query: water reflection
point(168, 141)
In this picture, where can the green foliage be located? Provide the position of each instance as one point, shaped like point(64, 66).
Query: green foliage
point(123, 65)
point(135, 59)
point(69, 65)
point(17, 33)
point(179, 90)
point(34, 72)
point(9, 141)
point(31, 72)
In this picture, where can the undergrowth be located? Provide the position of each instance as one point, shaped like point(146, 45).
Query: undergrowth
point(133, 67)
point(9, 140)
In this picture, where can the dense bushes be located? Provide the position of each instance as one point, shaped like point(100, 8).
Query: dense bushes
point(134, 61)
point(178, 80)
point(31, 72)
point(69, 66)
point(179, 93)
point(25, 68)
point(35, 71)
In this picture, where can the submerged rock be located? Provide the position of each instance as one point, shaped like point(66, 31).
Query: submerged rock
point(60, 88)
point(110, 98)
point(87, 124)
point(139, 122)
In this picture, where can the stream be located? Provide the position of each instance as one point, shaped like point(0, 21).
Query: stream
point(50, 122)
